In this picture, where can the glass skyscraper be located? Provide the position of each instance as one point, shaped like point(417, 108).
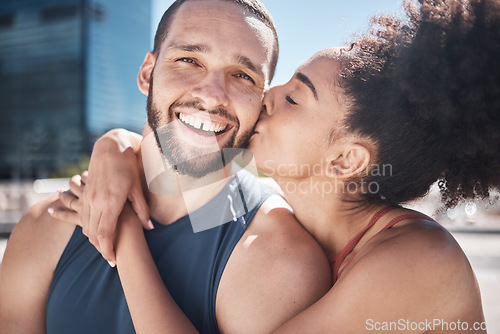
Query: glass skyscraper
point(67, 74)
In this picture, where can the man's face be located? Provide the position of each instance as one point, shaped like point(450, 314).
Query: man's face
point(206, 89)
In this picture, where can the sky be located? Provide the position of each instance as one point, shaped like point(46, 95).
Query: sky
point(307, 26)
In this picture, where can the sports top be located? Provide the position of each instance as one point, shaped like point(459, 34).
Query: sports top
point(86, 295)
point(337, 260)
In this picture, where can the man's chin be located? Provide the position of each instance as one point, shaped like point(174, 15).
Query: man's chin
point(198, 167)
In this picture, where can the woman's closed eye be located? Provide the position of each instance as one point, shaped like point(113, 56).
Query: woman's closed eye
point(289, 100)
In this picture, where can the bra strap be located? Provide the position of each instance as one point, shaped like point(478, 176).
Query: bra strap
point(338, 259)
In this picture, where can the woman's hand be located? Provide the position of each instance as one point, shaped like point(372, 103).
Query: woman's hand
point(113, 179)
point(71, 200)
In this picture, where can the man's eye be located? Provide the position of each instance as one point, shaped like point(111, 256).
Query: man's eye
point(186, 60)
point(289, 100)
point(245, 77)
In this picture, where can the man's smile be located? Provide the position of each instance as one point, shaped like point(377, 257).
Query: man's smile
point(206, 126)
point(203, 128)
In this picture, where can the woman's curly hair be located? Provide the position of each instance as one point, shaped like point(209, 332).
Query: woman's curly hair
point(426, 91)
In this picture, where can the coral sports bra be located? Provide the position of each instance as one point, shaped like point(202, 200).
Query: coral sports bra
point(337, 260)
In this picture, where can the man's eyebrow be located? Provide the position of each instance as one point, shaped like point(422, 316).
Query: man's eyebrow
point(189, 47)
point(245, 61)
point(305, 80)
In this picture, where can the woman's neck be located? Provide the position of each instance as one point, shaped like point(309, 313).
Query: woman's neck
point(331, 220)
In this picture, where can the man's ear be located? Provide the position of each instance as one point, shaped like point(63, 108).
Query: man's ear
point(144, 76)
point(349, 161)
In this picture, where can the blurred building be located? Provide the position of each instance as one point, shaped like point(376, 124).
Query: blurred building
point(67, 74)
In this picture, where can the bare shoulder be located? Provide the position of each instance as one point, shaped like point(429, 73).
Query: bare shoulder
point(428, 246)
point(410, 274)
point(284, 242)
point(32, 253)
point(276, 270)
point(39, 236)
point(419, 269)
point(276, 224)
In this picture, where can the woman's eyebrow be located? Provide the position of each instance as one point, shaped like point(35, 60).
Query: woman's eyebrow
point(305, 80)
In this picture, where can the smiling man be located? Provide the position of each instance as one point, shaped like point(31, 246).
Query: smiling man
point(205, 80)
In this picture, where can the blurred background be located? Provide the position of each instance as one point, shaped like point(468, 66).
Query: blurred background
point(68, 74)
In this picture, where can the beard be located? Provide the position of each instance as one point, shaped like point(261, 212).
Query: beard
point(189, 160)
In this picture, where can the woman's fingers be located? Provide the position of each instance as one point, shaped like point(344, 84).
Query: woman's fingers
point(140, 206)
point(65, 215)
point(86, 211)
point(94, 218)
point(106, 232)
point(67, 208)
point(85, 176)
point(70, 201)
point(76, 186)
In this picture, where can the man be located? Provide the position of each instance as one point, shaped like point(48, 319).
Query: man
point(215, 58)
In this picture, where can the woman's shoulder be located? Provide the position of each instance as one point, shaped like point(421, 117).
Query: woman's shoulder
point(421, 239)
point(422, 261)
point(418, 244)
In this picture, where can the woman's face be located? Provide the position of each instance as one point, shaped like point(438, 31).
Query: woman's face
point(294, 129)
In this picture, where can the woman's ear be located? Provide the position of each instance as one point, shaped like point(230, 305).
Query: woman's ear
point(144, 76)
point(351, 160)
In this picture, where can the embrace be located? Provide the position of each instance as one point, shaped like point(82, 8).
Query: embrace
point(170, 232)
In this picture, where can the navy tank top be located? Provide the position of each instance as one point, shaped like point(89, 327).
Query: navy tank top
point(86, 296)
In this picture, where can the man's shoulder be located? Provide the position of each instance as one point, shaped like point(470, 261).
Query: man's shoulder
point(278, 232)
point(277, 269)
point(277, 226)
point(38, 235)
point(32, 253)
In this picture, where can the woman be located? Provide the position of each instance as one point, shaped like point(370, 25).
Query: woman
point(414, 103)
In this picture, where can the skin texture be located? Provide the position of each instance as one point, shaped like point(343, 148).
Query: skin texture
point(30, 258)
point(417, 272)
point(194, 64)
point(413, 271)
point(274, 287)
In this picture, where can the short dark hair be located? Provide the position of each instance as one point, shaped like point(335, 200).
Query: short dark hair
point(253, 6)
point(426, 91)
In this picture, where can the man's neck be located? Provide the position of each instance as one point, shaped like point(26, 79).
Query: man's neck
point(185, 194)
point(171, 196)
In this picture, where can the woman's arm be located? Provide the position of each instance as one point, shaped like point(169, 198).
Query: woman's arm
point(415, 280)
point(152, 308)
point(112, 179)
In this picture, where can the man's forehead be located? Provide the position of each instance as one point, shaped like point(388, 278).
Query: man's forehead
point(220, 9)
point(220, 13)
point(216, 25)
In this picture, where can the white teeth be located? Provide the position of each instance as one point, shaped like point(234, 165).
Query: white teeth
point(197, 123)
point(202, 124)
point(220, 127)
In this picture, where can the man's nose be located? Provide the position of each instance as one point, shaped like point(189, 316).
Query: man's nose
point(212, 91)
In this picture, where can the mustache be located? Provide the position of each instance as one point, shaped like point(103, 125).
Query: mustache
point(197, 105)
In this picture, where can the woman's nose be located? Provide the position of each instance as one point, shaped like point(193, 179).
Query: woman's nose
point(268, 102)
